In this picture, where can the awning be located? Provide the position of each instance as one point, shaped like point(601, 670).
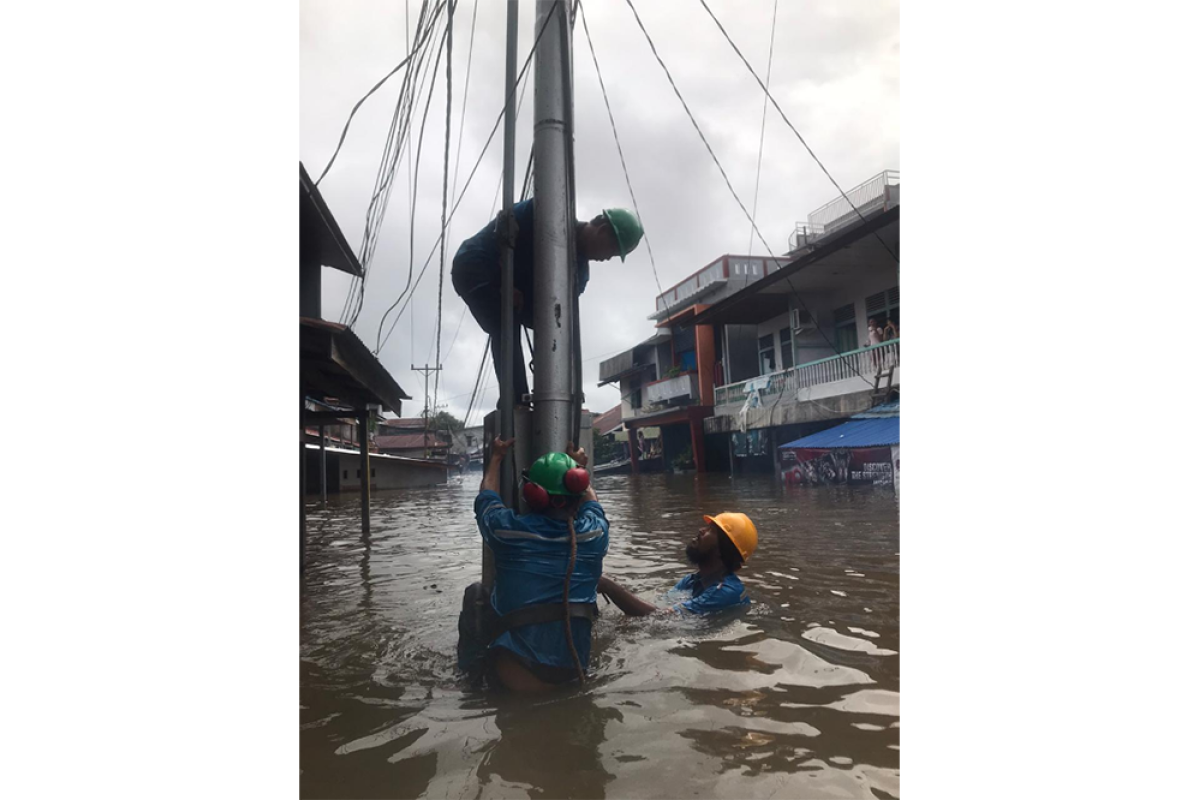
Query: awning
point(828, 264)
point(319, 231)
point(882, 432)
point(334, 363)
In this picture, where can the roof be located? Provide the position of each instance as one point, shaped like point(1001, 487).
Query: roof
point(404, 423)
point(621, 365)
point(320, 236)
point(408, 441)
point(891, 409)
point(882, 432)
point(607, 422)
point(680, 317)
point(823, 266)
point(415, 461)
point(335, 363)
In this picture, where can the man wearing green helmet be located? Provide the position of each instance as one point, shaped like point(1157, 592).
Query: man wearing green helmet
point(476, 271)
point(548, 564)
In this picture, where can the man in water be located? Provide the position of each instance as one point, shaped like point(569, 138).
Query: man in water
point(719, 550)
point(476, 272)
point(517, 636)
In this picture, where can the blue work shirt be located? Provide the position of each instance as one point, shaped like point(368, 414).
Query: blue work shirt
point(719, 595)
point(531, 556)
point(477, 263)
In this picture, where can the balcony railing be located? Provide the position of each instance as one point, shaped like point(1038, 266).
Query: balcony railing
point(866, 362)
point(685, 385)
point(867, 196)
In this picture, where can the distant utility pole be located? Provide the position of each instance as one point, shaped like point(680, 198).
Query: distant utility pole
point(426, 369)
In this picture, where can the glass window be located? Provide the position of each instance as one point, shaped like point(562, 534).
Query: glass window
point(785, 349)
point(766, 354)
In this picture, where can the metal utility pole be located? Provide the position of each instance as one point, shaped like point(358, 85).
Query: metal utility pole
point(508, 234)
point(508, 237)
point(553, 228)
point(425, 413)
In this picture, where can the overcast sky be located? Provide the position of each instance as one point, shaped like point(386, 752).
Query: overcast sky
point(835, 73)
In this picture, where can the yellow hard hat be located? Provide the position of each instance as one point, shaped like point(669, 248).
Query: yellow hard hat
point(739, 529)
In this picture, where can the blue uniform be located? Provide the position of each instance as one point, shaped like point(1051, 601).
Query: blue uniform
point(723, 593)
point(477, 262)
point(531, 556)
point(475, 275)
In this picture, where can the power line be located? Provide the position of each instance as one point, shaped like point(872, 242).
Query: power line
point(688, 110)
point(462, 117)
point(620, 152)
point(789, 123)
point(395, 143)
point(478, 377)
point(420, 147)
point(762, 134)
point(487, 144)
point(353, 111)
point(445, 186)
point(724, 175)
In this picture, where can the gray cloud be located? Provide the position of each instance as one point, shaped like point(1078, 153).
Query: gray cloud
point(835, 73)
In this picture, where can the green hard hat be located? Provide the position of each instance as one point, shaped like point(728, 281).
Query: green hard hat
point(549, 470)
point(627, 228)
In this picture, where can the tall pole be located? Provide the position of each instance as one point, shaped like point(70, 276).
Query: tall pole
point(553, 227)
point(324, 491)
point(425, 429)
point(508, 237)
point(364, 461)
point(508, 234)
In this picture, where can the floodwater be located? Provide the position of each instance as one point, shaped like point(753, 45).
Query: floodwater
point(797, 696)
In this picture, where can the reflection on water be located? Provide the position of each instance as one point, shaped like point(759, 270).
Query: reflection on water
point(797, 696)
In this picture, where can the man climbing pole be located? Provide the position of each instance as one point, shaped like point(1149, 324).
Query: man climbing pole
point(548, 563)
point(476, 272)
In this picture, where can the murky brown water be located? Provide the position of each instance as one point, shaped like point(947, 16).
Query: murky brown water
point(799, 697)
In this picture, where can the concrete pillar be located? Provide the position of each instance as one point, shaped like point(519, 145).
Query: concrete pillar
point(324, 489)
point(303, 522)
point(365, 468)
point(697, 431)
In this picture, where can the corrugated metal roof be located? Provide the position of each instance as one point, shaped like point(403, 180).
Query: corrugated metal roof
point(855, 433)
point(404, 423)
point(408, 441)
point(608, 421)
point(891, 409)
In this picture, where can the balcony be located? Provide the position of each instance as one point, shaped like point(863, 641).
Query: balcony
point(879, 192)
point(685, 387)
point(855, 365)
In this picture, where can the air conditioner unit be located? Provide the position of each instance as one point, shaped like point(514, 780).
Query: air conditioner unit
point(802, 320)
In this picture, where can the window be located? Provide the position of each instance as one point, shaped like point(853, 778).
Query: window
point(845, 330)
point(885, 306)
point(766, 354)
point(785, 349)
point(683, 341)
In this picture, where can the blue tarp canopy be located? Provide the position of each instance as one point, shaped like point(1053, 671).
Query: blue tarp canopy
point(880, 431)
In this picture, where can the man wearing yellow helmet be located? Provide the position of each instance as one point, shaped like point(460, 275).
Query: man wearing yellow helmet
point(719, 550)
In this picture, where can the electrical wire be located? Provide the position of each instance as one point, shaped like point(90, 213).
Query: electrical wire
point(353, 111)
point(789, 123)
point(620, 152)
point(383, 320)
point(724, 175)
point(445, 187)
point(762, 133)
